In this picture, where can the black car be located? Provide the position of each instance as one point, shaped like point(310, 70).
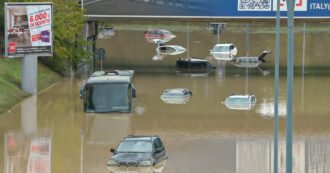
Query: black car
point(138, 151)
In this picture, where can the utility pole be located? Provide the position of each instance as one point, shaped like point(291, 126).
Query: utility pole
point(276, 85)
point(290, 55)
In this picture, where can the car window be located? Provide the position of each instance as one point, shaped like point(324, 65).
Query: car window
point(135, 146)
point(158, 144)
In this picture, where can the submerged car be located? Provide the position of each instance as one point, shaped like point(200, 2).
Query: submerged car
point(106, 32)
point(170, 49)
point(160, 34)
point(138, 151)
point(250, 62)
point(193, 67)
point(109, 91)
point(225, 52)
point(176, 96)
point(240, 102)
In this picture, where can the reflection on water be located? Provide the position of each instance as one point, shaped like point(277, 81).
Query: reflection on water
point(158, 168)
point(29, 153)
point(201, 135)
point(29, 115)
point(266, 108)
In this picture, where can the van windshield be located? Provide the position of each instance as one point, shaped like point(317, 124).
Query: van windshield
point(109, 97)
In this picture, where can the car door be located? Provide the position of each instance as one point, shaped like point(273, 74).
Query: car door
point(159, 150)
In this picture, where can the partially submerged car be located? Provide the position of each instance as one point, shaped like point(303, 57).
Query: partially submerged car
point(193, 67)
point(159, 34)
point(240, 102)
point(109, 91)
point(138, 151)
point(176, 96)
point(250, 62)
point(225, 52)
point(170, 50)
point(106, 32)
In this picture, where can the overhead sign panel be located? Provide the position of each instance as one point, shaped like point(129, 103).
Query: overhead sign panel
point(28, 29)
point(205, 8)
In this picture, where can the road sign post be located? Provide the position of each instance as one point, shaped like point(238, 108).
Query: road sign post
point(101, 55)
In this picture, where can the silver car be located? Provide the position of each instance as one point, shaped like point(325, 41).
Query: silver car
point(176, 96)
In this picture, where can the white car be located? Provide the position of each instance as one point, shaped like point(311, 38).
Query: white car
point(176, 96)
point(170, 50)
point(240, 102)
point(225, 52)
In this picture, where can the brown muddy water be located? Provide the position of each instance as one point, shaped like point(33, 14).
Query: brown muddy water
point(51, 133)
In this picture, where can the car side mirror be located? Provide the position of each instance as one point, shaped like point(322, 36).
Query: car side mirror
point(112, 150)
point(134, 92)
point(82, 91)
point(158, 150)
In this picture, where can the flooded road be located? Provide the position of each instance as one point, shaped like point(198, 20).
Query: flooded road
point(202, 135)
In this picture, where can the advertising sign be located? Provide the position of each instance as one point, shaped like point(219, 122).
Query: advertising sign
point(251, 9)
point(28, 29)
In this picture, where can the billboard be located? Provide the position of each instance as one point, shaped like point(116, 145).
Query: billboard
point(264, 9)
point(28, 29)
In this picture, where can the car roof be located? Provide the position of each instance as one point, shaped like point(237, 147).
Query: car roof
point(223, 44)
point(241, 96)
point(139, 138)
point(176, 90)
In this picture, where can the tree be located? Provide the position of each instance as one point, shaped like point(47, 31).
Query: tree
point(68, 24)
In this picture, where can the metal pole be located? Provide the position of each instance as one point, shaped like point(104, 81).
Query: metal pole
point(218, 33)
point(247, 54)
point(29, 74)
point(276, 85)
point(188, 39)
point(82, 4)
point(303, 67)
point(290, 55)
point(102, 64)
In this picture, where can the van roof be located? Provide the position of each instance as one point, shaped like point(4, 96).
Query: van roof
point(125, 76)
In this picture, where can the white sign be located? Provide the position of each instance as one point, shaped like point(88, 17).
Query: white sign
point(300, 5)
point(40, 18)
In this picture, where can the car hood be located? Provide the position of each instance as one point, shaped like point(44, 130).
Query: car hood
point(132, 157)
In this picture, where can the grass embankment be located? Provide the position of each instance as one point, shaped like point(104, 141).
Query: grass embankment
point(10, 82)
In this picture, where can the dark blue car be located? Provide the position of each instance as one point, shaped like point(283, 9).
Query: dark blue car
point(138, 151)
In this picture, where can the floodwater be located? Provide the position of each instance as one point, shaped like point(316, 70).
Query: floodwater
point(51, 133)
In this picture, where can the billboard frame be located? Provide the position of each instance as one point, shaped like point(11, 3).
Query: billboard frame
point(8, 4)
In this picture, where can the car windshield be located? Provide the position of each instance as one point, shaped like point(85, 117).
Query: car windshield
point(238, 102)
point(109, 97)
point(135, 146)
point(174, 93)
point(167, 49)
point(221, 49)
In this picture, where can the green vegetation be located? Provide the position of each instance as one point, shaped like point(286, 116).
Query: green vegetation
point(10, 82)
